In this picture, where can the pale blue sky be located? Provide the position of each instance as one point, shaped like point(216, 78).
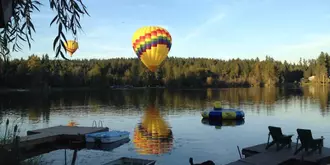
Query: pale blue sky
point(283, 29)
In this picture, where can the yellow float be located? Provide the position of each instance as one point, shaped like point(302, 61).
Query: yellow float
point(219, 113)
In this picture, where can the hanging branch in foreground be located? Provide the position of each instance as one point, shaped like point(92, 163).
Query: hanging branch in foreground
point(20, 27)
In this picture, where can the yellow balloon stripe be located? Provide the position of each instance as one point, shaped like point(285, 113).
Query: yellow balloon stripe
point(154, 57)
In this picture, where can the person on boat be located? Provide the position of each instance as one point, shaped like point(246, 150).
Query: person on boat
point(217, 105)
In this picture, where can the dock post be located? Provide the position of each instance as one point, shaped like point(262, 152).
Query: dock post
point(17, 141)
point(74, 157)
point(239, 152)
point(6, 130)
point(65, 156)
point(15, 148)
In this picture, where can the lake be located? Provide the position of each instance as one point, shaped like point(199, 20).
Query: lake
point(175, 116)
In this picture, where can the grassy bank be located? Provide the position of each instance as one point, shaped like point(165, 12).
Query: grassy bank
point(8, 133)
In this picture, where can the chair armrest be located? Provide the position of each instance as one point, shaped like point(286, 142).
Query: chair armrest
point(319, 139)
point(290, 135)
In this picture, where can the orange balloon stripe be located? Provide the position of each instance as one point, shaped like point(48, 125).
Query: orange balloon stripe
point(70, 50)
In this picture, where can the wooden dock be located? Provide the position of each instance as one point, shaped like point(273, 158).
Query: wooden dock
point(28, 142)
point(54, 134)
point(68, 130)
point(258, 155)
point(46, 140)
point(89, 146)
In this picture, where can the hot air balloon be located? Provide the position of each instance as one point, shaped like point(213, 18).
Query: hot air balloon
point(153, 135)
point(152, 45)
point(71, 46)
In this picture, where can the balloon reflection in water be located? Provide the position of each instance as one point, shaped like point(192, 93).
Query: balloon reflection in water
point(153, 135)
point(221, 123)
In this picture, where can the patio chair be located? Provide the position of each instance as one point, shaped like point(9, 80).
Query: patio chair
point(308, 142)
point(279, 138)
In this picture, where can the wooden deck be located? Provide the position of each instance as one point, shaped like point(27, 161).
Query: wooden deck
point(258, 155)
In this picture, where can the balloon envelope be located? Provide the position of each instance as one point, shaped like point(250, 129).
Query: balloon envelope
point(71, 46)
point(152, 45)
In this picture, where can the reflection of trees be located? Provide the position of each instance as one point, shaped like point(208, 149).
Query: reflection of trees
point(31, 105)
point(172, 101)
point(153, 135)
point(34, 116)
point(319, 94)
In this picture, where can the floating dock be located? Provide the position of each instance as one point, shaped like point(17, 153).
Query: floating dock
point(258, 155)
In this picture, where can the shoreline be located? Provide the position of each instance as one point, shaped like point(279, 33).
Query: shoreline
point(56, 89)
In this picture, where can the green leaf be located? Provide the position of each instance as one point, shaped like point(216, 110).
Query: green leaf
point(76, 6)
point(54, 19)
point(21, 38)
point(32, 26)
point(27, 37)
point(62, 43)
point(63, 56)
point(55, 41)
point(23, 26)
point(59, 28)
point(63, 36)
point(58, 50)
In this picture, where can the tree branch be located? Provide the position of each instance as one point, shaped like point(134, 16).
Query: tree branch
point(20, 27)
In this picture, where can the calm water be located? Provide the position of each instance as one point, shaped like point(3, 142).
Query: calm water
point(165, 112)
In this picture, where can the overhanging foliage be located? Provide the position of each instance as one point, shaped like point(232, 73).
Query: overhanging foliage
point(20, 28)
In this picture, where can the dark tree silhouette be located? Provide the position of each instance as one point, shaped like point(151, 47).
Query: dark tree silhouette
point(175, 72)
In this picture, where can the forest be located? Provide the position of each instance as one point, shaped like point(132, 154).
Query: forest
point(41, 72)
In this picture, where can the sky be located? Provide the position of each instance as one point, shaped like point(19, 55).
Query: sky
point(220, 29)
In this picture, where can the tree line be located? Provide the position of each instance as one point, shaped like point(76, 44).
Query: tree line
point(41, 72)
